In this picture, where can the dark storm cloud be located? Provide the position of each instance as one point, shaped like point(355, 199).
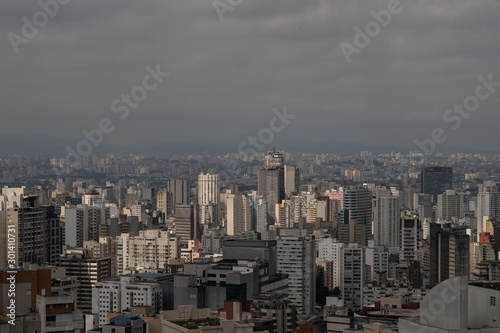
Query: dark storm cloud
point(226, 77)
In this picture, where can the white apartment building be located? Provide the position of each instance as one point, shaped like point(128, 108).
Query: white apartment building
point(296, 257)
point(150, 250)
point(123, 293)
point(331, 250)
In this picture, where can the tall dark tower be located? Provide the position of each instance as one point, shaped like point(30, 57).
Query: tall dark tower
point(272, 182)
point(449, 252)
point(435, 180)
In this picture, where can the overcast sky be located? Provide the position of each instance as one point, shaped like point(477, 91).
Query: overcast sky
point(227, 76)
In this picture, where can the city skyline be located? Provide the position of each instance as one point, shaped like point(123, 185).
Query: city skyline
point(245, 166)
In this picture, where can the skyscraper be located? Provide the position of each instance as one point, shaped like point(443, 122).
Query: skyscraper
point(331, 250)
point(88, 270)
point(449, 252)
point(185, 223)
point(32, 230)
point(411, 236)
point(353, 278)
point(272, 182)
point(358, 206)
point(435, 180)
point(208, 199)
point(386, 220)
point(296, 257)
point(450, 204)
point(239, 214)
point(260, 206)
point(488, 205)
point(292, 180)
point(164, 203)
point(208, 189)
point(83, 223)
point(180, 189)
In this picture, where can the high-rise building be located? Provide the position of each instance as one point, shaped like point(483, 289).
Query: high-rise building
point(106, 247)
point(165, 203)
point(239, 214)
point(358, 205)
point(331, 250)
point(488, 205)
point(92, 197)
point(88, 270)
point(273, 160)
point(337, 195)
point(386, 220)
point(353, 232)
point(34, 231)
point(411, 236)
point(449, 252)
point(481, 253)
point(180, 189)
point(260, 206)
point(296, 257)
point(376, 260)
point(209, 199)
point(83, 223)
point(450, 205)
point(151, 249)
point(353, 268)
point(140, 212)
point(208, 189)
point(122, 293)
point(282, 211)
point(186, 226)
point(435, 180)
point(272, 182)
point(292, 180)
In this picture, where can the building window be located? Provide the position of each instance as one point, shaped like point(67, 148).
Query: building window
point(493, 301)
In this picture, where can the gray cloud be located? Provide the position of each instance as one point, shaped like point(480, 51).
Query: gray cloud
point(226, 77)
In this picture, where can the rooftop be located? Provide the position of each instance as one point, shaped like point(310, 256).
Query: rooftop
point(495, 285)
